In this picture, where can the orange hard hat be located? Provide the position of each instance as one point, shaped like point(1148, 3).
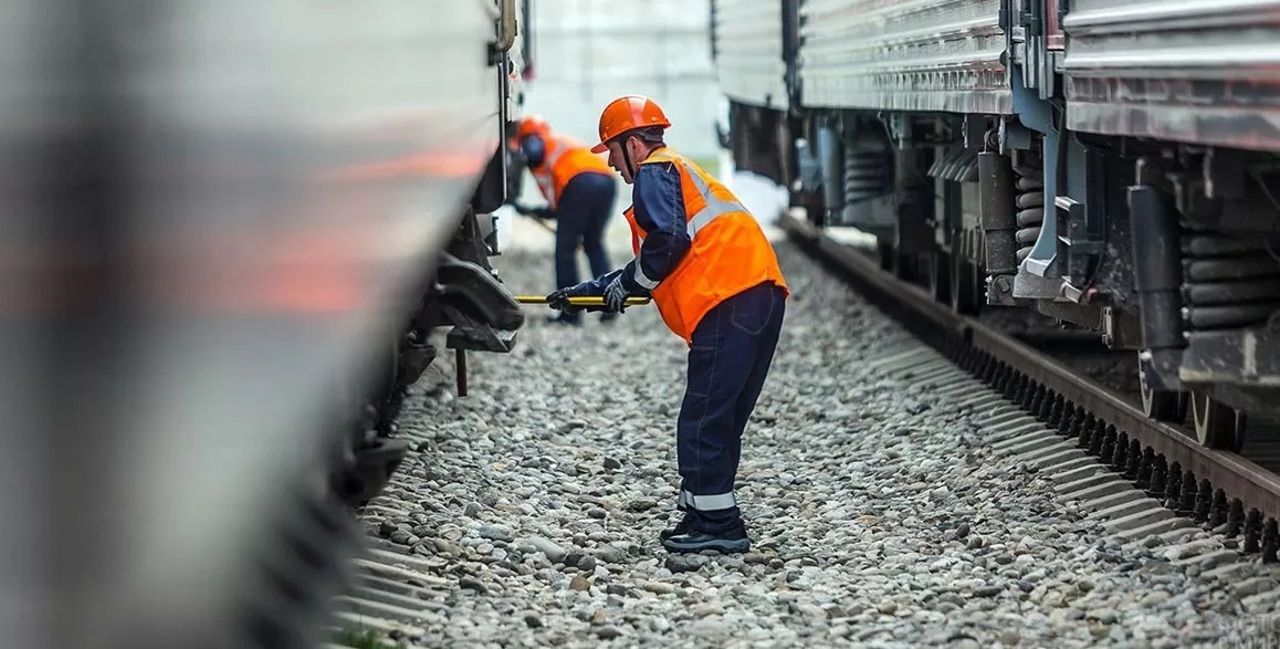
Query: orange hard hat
point(626, 113)
point(531, 125)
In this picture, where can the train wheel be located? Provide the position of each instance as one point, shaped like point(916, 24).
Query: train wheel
point(1161, 405)
point(1217, 425)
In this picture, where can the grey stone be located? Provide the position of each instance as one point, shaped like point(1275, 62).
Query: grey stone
point(611, 554)
point(496, 533)
point(685, 562)
point(552, 550)
point(608, 632)
point(471, 583)
point(987, 591)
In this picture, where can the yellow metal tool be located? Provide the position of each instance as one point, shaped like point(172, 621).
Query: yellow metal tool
point(594, 300)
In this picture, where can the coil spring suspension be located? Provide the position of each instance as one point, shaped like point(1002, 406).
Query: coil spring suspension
point(864, 174)
point(1030, 202)
point(1228, 282)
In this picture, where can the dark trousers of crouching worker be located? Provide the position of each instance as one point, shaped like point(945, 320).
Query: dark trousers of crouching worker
point(581, 216)
point(732, 348)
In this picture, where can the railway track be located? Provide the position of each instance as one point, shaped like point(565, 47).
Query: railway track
point(1227, 494)
point(897, 497)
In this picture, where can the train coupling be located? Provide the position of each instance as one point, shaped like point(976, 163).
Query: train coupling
point(482, 312)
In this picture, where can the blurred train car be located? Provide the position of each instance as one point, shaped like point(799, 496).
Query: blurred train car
point(1111, 165)
point(230, 228)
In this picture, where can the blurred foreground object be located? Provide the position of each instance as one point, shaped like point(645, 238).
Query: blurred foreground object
point(228, 228)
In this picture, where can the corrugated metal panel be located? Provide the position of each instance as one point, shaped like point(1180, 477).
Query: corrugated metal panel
point(749, 65)
point(1199, 71)
point(931, 55)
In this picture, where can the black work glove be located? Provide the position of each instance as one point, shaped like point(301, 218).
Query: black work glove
point(615, 296)
point(543, 213)
point(521, 209)
point(559, 300)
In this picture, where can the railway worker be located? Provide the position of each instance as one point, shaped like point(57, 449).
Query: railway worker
point(716, 282)
point(579, 190)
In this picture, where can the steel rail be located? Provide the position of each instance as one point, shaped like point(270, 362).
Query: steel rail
point(937, 324)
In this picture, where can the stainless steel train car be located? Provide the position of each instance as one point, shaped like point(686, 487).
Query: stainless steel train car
point(230, 228)
point(1111, 165)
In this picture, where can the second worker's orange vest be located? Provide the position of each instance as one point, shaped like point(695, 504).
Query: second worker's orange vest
point(729, 252)
point(564, 159)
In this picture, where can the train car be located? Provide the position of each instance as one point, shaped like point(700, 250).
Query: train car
point(1108, 165)
point(232, 230)
point(753, 46)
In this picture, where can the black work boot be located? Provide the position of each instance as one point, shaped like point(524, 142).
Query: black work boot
point(731, 541)
point(683, 527)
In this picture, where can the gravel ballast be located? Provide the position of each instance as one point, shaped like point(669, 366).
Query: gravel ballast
point(530, 509)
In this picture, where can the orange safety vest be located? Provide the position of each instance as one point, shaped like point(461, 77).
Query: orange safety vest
point(728, 255)
point(564, 159)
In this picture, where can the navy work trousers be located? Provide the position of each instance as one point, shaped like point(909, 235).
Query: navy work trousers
point(729, 358)
point(582, 214)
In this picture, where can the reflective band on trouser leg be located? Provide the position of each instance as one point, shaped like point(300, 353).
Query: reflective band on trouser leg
point(710, 502)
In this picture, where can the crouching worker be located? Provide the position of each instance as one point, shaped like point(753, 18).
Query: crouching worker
point(579, 190)
point(714, 277)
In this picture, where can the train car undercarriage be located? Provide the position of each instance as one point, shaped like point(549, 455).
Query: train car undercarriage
point(464, 294)
point(1170, 251)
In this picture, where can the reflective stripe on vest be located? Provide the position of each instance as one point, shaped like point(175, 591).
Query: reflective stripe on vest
point(726, 255)
point(715, 208)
